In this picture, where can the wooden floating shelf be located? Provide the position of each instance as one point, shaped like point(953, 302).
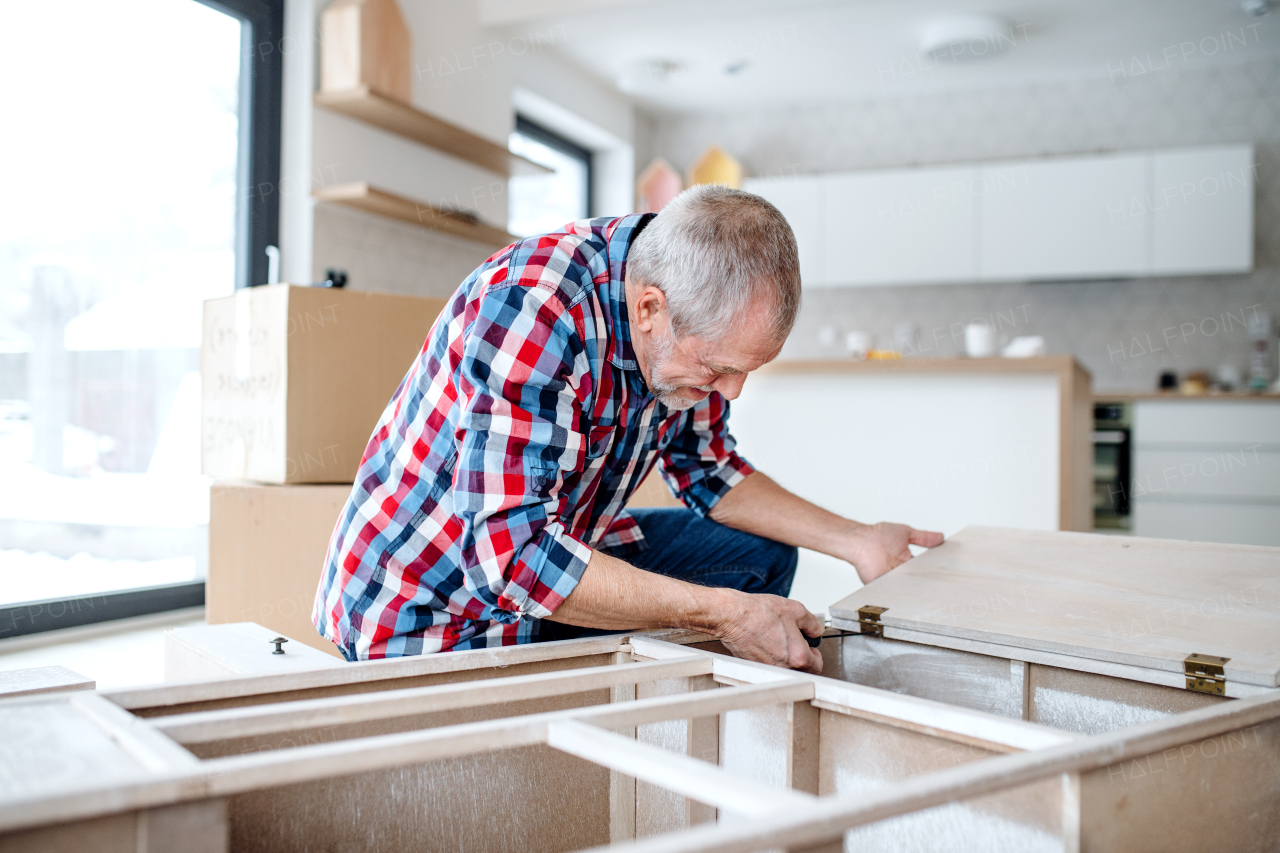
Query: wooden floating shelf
point(361, 196)
point(428, 130)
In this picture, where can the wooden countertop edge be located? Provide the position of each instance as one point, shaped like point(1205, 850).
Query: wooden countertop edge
point(1130, 396)
point(1064, 364)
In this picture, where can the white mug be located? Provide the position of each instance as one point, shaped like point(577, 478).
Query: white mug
point(858, 344)
point(979, 340)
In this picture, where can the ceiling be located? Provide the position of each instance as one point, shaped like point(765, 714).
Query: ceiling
point(724, 55)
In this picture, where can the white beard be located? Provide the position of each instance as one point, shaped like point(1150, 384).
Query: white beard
point(659, 358)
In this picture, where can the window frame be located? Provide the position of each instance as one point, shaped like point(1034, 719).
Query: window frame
point(550, 138)
point(257, 226)
point(258, 161)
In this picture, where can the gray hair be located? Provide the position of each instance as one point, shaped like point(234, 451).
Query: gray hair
point(712, 252)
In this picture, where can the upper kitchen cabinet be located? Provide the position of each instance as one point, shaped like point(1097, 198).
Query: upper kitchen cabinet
point(1175, 212)
point(905, 226)
point(1065, 218)
point(800, 199)
point(1201, 210)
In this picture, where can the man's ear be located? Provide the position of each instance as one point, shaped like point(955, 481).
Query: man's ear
point(652, 302)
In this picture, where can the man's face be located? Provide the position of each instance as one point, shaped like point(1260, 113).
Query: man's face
point(681, 373)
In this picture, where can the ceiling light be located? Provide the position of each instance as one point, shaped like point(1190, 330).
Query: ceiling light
point(961, 38)
point(647, 74)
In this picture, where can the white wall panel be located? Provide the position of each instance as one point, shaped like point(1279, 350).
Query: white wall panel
point(1064, 218)
point(1201, 209)
point(907, 226)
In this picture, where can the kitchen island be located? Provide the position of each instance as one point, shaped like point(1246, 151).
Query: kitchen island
point(939, 444)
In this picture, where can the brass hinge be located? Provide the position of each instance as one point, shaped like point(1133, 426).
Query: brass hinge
point(1206, 674)
point(869, 620)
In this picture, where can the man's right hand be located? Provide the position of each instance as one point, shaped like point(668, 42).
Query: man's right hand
point(769, 629)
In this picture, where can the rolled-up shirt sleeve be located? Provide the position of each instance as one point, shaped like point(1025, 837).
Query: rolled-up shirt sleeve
point(520, 435)
point(700, 464)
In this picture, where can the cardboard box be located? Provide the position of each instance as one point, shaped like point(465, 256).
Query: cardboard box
point(294, 379)
point(266, 553)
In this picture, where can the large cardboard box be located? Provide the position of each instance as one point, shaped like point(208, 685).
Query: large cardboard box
point(266, 552)
point(294, 379)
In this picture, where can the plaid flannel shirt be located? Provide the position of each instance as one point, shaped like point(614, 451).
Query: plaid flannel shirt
point(508, 453)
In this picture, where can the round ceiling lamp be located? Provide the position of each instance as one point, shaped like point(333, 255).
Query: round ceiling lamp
point(964, 38)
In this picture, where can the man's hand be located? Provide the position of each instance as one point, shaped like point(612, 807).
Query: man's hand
point(877, 548)
point(759, 505)
point(769, 629)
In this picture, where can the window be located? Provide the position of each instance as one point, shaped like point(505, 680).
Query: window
point(148, 138)
point(543, 203)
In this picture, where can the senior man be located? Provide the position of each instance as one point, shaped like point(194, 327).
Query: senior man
point(489, 506)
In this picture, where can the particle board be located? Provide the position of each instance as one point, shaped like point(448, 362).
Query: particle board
point(41, 679)
point(1145, 604)
point(238, 648)
point(808, 764)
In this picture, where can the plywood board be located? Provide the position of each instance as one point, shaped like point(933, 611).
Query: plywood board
point(41, 679)
point(1146, 603)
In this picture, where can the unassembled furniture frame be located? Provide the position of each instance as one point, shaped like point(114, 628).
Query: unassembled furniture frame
point(572, 745)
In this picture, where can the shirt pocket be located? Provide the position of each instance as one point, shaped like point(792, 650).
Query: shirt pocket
point(444, 477)
point(600, 441)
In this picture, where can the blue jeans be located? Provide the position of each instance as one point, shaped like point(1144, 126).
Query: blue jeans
point(698, 550)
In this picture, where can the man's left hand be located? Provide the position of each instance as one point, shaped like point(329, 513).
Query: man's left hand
point(877, 548)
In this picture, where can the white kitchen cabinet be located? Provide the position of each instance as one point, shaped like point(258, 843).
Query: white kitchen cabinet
point(906, 226)
point(800, 199)
point(1207, 470)
point(1175, 212)
point(1201, 209)
point(1063, 218)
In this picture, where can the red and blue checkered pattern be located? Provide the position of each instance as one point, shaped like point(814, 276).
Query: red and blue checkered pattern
point(508, 453)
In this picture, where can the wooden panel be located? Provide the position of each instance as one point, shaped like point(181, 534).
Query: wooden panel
point(1146, 603)
point(653, 493)
point(41, 679)
point(364, 197)
point(49, 745)
point(199, 827)
point(237, 648)
point(116, 833)
point(1063, 218)
point(366, 43)
point(860, 757)
point(1201, 210)
point(980, 682)
point(659, 810)
point(1088, 704)
point(332, 733)
point(356, 686)
point(1219, 793)
point(902, 226)
point(429, 130)
point(521, 800)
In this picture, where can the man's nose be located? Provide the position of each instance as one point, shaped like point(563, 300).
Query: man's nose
point(730, 385)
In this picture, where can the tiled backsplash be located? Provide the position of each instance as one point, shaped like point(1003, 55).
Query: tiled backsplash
point(1125, 332)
